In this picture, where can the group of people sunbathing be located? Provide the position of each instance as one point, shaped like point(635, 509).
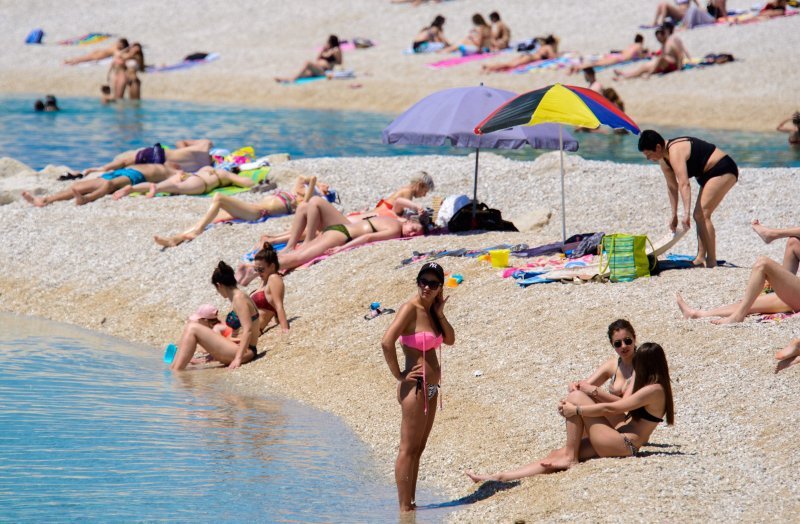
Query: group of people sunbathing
point(127, 61)
point(482, 38)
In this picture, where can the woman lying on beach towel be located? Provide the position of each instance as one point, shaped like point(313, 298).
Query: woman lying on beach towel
point(331, 55)
point(337, 237)
point(649, 402)
point(477, 41)
point(674, 11)
point(617, 371)
point(183, 183)
point(269, 297)
point(99, 54)
point(785, 299)
point(89, 190)
point(224, 207)
point(243, 317)
point(635, 51)
point(421, 327)
point(428, 36)
point(548, 50)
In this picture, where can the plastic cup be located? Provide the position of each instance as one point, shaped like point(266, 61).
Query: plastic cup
point(499, 257)
point(451, 282)
point(459, 279)
point(169, 353)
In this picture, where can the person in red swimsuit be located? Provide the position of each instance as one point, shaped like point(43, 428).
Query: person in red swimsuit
point(269, 297)
point(672, 57)
point(422, 327)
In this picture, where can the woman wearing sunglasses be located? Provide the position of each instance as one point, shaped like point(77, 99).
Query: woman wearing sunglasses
point(269, 297)
point(421, 327)
point(617, 371)
point(590, 434)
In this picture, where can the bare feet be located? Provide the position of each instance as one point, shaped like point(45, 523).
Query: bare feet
point(151, 192)
point(558, 464)
point(122, 193)
point(36, 201)
point(174, 241)
point(791, 350)
point(765, 233)
point(786, 363)
point(727, 320)
point(685, 309)
point(478, 478)
point(79, 198)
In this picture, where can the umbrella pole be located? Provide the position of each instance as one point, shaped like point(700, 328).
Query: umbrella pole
point(475, 191)
point(563, 202)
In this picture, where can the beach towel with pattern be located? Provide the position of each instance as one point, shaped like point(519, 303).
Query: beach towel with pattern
point(183, 64)
point(87, 39)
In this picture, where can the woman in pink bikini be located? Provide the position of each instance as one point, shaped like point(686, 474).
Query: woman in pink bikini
point(421, 327)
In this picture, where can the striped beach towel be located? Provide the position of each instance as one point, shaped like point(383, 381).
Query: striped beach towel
point(87, 39)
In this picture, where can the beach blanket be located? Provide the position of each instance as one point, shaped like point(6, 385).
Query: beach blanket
point(459, 60)
point(87, 39)
point(258, 175)
point(343, 74)
point(560, 62)
point(183, 64)
point(430, 47)
point(775, 318)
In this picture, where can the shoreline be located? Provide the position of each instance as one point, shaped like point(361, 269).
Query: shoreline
point(527, 343)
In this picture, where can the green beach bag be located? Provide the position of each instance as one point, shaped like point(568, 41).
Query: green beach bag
point(625, 257)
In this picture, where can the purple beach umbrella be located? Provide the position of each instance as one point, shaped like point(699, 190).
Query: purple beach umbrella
point(449, 117)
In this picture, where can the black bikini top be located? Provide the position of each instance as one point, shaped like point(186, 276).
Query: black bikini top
point(641, 413)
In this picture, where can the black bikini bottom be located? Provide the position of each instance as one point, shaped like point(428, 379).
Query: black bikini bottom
point(725, 166)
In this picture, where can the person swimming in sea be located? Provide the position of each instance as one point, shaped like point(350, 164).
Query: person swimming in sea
point(421, 327)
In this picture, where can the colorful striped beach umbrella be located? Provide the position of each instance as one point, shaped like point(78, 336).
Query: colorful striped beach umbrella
point(560, 104)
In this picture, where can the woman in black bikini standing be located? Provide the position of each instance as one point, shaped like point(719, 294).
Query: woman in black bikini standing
point(651, 393)
point(421, 327)
point(618, 372)
point(243, 317)
point(688, 157)
point(331, 55)
point(269, 297)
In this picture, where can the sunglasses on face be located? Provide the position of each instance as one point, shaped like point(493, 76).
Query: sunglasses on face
point(430, 284)
point(618, 343)
point(259, 269)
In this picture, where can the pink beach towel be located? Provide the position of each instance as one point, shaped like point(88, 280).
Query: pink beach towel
point(459, 60)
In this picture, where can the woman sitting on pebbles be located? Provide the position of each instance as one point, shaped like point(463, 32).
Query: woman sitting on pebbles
point(183, 183)
point(617, 371)
point(330, 56)
point(269, 297)
point(224, 207)
point(244, 318)
point(645, 407)
point(421, 327)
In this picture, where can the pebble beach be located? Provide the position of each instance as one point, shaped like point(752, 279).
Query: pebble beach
point(729, 455)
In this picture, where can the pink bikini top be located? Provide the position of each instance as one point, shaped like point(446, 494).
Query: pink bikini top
point(425, 341)
point(418, 341)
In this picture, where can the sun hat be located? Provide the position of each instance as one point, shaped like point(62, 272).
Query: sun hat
point(205, 312)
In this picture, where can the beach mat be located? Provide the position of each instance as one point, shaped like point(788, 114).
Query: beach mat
point(460, 60)
point(258, 175)
point(87, 39)
point(344, 74)
point(183, 64)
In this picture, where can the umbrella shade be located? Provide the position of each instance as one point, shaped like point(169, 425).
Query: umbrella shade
point(561, 104)
point(448, 117)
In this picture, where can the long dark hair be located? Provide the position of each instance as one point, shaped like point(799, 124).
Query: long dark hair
point(333, 41)
point(438, 21)
point(223, 275)
point(434, 269)
point(618, 324)
point(268, 255)
point(650, 366)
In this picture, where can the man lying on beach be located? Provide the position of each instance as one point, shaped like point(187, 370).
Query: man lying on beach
point(635, 51)
point(99, 54)
point(89, 190)
point(672, 58)
point(182, 183)
point(188, 155)
point(547, 51)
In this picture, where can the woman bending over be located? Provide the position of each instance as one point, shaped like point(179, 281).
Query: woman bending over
point(243, 317)
point(421, 327)
point(645, 408)
point(224, 207)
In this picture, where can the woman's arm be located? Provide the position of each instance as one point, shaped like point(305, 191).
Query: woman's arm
point(240, 305)
point(643, 397)
point(595, 380)
point(681, 175)
point(398, 325)
point(448, 333)
point(401, 203)
point(783, 128)
point(237, 180)
point(276, 291)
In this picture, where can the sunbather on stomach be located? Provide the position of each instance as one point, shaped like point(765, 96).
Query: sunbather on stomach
point(547, 51)
point(224, 207)
point(183, 183)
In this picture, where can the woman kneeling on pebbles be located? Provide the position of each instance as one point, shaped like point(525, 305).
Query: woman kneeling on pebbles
point(652, 393)
point(422, 328)
point(243, 317)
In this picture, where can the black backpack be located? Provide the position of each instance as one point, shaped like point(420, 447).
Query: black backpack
point(486, 219)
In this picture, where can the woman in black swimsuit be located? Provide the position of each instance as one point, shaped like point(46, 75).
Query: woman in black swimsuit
point(651, 394)
point(331, 55)
point(243, 317)
point(687, 157)
point(434, 33)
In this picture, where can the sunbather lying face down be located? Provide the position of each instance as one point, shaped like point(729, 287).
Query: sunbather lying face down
point(89, 190)
point(183, 183)
point(224, 207)
point(188, 155)
point(349, 235)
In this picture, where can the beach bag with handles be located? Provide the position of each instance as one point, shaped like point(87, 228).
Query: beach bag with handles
point(625, 257)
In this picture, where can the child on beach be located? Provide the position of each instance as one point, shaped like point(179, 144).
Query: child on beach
point(687, 157)
point(647, 405)
point(421, 327)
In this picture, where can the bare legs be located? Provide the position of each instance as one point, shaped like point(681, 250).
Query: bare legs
point(311, 250)
point(220, 348)
point(310, 69)
point(788, 356)
point(83, 192)
point(414, 431)
point(666, 9)
point(707, 202)
point(791, 255)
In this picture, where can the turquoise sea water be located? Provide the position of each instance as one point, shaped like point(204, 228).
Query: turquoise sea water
point(85, 133)
point(95, 429)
